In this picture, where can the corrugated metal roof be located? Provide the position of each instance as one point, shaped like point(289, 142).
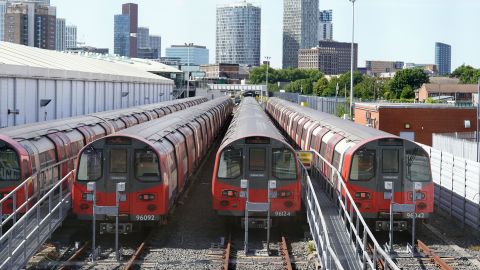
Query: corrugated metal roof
point(23, 61)
point(142, 64)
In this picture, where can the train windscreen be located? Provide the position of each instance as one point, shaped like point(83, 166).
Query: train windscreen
point(118, 160)
point(90, 165)
point(146, 165)
point(257, 159)
point(9, 169)
point(363, 165)
point(284, 164)
point(418, 165)
point(390, 163)
point(230, 164)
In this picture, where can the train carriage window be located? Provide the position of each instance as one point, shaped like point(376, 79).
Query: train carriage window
point(9, 168)
point(257, 159)
point(390, 162)
point(323, 149)
point(118, 161)
point(284, 164)
point(146, 165)
point(418, 165)
point(90, 165)
point(363, 165)
point(230, 164)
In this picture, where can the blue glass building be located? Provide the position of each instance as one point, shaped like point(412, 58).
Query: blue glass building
point(443, 58)
point(121, 39)
point(189, 54)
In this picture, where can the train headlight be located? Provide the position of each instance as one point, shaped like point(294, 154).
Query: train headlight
point(229, 193)
point(146, 197)
point(418, 195)
point(362, 195)
point(284, 194)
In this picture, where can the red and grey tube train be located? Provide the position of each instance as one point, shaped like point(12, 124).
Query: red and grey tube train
point(366, 159)
point(154, 160)
point(253, 149)
point(47, 150)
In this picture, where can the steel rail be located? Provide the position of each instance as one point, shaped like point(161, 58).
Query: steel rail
point(434, 257)
point(287, 263)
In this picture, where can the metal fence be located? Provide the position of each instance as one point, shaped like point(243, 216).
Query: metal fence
point(457, 186)
point(460, 144)
point(323, 104)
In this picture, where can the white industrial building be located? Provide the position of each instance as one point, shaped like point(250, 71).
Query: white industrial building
point(38, 85)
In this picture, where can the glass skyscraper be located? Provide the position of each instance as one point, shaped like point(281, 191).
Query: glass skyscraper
point(443, 58)
point(238, 34)
point(325, 26)
point(60, 36)
point(189, 54)
point(70, 36)
point(121, 39)
point(300, 29)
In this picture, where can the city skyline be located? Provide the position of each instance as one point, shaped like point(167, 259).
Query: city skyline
point(406, 38)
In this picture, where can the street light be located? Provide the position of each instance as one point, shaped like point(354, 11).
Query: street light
point(267, 58)
point(351, 59)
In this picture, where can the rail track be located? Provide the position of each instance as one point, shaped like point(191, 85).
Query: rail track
point(278, 256)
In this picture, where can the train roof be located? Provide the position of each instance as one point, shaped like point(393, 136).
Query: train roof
point(34, 130)
point(156, 129)
point(350, 130)
point(251, 120)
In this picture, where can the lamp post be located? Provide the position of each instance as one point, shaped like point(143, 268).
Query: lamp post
point(351, 59)
point(477, 139)
point(267, 58)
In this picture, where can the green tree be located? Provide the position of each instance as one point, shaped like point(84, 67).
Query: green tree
point(466, 74)
point(407, 93)
point(412, 77)
point(320, 86)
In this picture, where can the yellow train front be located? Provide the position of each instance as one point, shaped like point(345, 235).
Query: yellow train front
point(254, 150)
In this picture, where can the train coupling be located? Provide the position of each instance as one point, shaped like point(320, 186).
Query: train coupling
point(109, 228)
point(384, 225)
point(256, 223)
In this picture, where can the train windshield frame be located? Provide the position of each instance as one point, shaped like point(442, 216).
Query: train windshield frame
point(147, 159)
point(9, 164)
point(417, 161)
point(90, 165)
point(230, 165)
point(368, 161)
point(282, 172)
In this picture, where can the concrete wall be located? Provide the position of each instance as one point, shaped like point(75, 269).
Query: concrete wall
point(20, 98)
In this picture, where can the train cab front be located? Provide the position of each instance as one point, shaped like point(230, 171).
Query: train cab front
point(14, 164)
point(257, 161)
point(389, 166)
point(109, 162)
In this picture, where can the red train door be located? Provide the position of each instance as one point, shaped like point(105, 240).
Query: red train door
point(391, 169)
point(119, 161)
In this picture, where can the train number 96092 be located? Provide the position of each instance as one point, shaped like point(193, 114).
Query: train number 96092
point(144, 217)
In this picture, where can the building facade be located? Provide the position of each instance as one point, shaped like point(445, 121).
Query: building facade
point(3, 10)
point(143, 37)
point(60, 36)
point(330, 57)
point(443, 58)
point(131, 10)
point(189, 54)
point(70, 36)
point(121, 35)
point(156, 43)
point(447, 91)
point(325, 26)
point(30, 23)
point(238, 34)
point(300, 29)
point(378, 67)
point(228, 71)
point(416, 121)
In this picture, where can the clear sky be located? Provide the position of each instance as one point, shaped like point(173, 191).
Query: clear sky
point(397, 30)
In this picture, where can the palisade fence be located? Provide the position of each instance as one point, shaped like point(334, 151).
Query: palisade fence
point(460, 144)
point(457, 186)
point(324, 104)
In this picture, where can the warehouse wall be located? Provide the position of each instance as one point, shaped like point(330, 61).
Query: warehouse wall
point(20, 98)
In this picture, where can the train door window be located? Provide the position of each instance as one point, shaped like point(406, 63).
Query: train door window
point(363, 165)
point(284, 164)
point(418, 165)
point(390, 162)
point(118, 160)
point(257, 159)
point(90, 165)
point(146, 165)
point(230, 164)
point(9, 168)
